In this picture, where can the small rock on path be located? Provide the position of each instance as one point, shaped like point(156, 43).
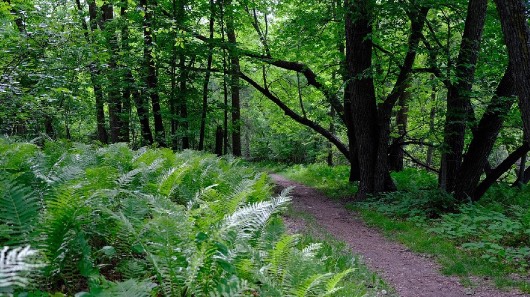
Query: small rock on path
point(410, 274)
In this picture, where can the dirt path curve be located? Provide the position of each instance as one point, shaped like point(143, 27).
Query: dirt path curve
point(410, 274)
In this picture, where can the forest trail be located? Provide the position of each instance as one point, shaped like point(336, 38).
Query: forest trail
point(412, 275)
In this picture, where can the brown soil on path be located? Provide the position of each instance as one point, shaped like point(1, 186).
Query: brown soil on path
point(411, 275)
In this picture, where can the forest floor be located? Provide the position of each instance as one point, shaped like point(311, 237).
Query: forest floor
point(411, 274)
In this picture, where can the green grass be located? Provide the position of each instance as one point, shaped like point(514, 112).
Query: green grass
point(332, 181)
point(488, 240)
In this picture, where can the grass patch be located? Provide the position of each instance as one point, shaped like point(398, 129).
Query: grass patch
point(332, 181)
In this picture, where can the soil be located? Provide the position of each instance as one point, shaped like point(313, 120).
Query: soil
point(412, 275)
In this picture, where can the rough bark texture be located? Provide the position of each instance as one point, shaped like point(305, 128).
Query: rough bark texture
point(358, 29)
point(514, 24)
point(484, 137)
point(458, 97)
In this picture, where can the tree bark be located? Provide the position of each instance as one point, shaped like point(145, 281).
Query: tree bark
point(358, 30)
point(114, 97)
point(396, 154)
point(496, 173)
point(484, 137)
point(209, 61)
point(458, 97)
point(513, 15)
point(234, 80)
point(150, 76)
point(102, 134)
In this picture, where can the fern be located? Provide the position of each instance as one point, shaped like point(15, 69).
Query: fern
point(251, 218)
point(15, 265)
point(129, 288)
point(19, 210)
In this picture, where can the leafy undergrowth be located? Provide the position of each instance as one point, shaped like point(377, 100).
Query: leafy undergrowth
point(110, 221)
point(490, 239)
point(332, 181)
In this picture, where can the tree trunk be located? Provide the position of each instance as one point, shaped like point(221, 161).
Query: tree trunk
point(432, 117)
point(484, 137)
point(513, 15)
point(234, 81)
point(396, 152)
point(458, 97)
point(94, 77)
point(496, 173)
point(114, 97)
point(358, 30)
point(204, 111)
point(150, 77)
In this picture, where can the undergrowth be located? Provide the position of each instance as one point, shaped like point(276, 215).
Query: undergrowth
point(110, 221)
point(490, 238)
point(332, 181)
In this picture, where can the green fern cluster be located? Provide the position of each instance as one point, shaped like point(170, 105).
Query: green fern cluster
point(111, 221)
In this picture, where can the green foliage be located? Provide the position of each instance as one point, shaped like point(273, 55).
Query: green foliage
point(152, 222)
point(332, 180)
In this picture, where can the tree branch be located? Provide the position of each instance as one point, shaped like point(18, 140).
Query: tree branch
point(304, 121)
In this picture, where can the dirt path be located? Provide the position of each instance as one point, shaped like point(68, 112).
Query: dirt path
point(410, 274)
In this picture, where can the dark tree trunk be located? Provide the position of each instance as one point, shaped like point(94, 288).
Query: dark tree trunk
point(125, 116)
point(329, 158)
point(458, 97)
point(204, 111)
point(114, 97)
point(102, 135)
point(234, 81)
point(396, 152)
point(182, 100)
point(513, 15)
point(151, 79)
point(496, 173)
point(432, 117)
point(358, 29)
point(484, 137)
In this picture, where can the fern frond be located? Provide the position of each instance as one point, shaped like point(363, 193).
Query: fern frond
point(129, 288)
point(19, 209)
point(308, 285)
point(15, 264)
point(251, 218)
point(331, 284)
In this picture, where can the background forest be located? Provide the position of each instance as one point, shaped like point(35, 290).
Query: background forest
point(421, 106)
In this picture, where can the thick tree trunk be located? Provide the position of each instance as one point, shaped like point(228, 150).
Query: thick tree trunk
point(102, 135)
point(114, 97)
point(484, 137)
point(513, 15)
point(150, 77)
point(458, 97)
point(358, 30)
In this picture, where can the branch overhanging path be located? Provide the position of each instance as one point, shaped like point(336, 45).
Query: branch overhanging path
point(411, 275)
